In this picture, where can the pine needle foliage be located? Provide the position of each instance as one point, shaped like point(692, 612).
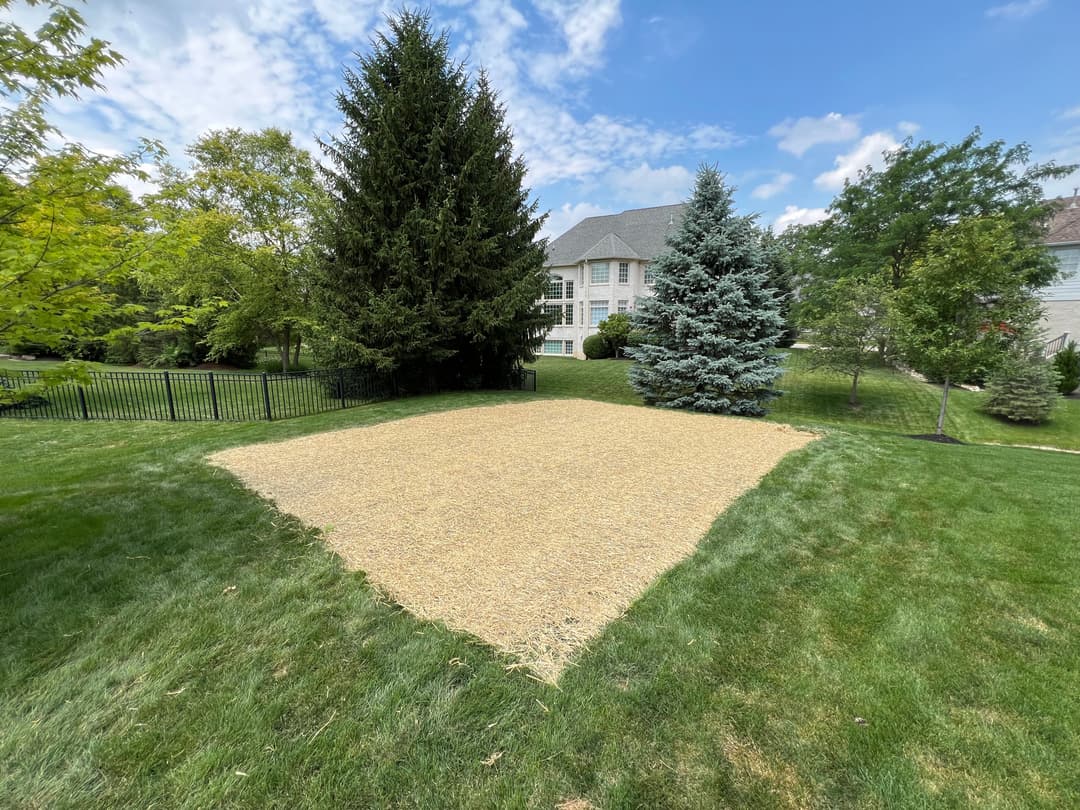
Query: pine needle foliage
point(1067, 363)
point(1025, 386)
point(432, 270)
point(711, 329)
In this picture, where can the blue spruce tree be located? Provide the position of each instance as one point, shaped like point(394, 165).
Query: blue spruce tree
point(713, 323)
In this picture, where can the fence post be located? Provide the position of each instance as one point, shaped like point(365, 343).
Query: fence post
point(213, 395)
point(82, 402)
point(266, 397)
point(341, 386)
point(168, 397)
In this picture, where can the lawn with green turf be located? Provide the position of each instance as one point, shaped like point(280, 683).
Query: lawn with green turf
point(890, 400)
point(170, 640)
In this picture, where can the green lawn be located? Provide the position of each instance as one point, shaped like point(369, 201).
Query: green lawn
point(170, 640)
point(890, 401)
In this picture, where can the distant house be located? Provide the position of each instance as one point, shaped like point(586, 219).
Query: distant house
point(600, 267)
point(1061, 301)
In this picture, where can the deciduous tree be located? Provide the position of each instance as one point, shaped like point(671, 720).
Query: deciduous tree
point(882, 221)
point(68, 230)
point(846, 324)
point(237, 238)
point(964, 301)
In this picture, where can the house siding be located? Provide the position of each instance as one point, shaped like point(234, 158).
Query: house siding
point(586, 292)
point(1068, 287)
point(1061, 301)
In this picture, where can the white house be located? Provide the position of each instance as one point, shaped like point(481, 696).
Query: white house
point(1061, 301)
point(599, 267)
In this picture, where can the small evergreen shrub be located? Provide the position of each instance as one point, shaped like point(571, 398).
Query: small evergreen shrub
point(1023, 389)
point(1067, 363)
point(595, 347)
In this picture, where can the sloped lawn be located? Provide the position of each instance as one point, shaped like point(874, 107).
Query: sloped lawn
point(890, 401)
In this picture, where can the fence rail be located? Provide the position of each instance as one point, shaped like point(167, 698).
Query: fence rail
point(200, 396)
point(1056, 345)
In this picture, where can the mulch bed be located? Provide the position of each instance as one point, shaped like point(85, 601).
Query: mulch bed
point(935, 437)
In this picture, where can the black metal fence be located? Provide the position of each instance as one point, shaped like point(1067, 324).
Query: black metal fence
point(195, 396)
point(528, 380)
point(200, 396)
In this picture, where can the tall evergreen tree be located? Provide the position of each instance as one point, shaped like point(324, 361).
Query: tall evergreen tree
point(431, 268)
point(714, 320)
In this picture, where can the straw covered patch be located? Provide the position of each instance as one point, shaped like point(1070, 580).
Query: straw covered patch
point(530, 525)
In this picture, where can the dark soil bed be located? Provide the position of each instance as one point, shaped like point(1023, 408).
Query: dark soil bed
point(935, 437)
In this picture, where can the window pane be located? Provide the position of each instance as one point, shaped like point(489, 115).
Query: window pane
point(553, 347)
point(648, 275)
point(569, 315)
point(554, 290)
point(554, 310)
point(623, 305)
point(598, 311)
point(624, 272)
point(568, 347)
point(569, 289)
point(599, 271)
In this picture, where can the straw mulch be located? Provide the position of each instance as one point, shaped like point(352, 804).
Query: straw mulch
point(530, 525)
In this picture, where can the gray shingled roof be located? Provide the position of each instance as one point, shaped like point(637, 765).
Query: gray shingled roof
point(642, 230)
point(610, 247)
point(1065, 226)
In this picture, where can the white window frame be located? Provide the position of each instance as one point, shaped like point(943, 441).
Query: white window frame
point(568, 289)
point(624, 272)
point(557, 286)
point(552, 347)
point(594, 306)
point(557, 311)
point(622, 305)
point(568, 347)
point(648, 276)
point(568, 316)
point(605, 267)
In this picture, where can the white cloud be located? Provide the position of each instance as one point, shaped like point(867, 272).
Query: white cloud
point(778, 184)
point(1073, 113)
point(793, 215)
point(867, 152)
point(1017, 10)
point(564, 218)
point(908, 127)
point(647, 186)
point(799, 135)
point(584, 24)
point(193, 65)
point(559, 146)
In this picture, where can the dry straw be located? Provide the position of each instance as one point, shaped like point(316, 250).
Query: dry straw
point(529, 525)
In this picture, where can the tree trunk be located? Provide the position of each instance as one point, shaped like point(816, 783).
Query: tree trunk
point(296, 352)
point(286, 344)
point(853, 396)
point(944, 404)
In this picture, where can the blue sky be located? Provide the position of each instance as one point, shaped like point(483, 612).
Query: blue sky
point(614, 103)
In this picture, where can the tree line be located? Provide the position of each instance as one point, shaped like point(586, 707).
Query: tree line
point(410, 249)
